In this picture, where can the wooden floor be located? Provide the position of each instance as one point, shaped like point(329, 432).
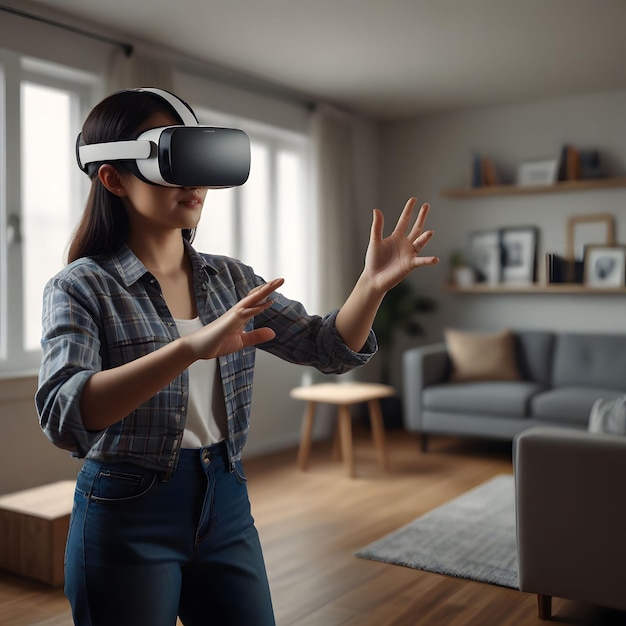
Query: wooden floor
point(311, 523)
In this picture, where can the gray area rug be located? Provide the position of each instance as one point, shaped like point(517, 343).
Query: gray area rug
point(472, 536)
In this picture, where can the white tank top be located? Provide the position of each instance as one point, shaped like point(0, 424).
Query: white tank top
point(206, 411)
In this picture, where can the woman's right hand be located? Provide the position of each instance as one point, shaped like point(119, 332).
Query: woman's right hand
point(226, 334)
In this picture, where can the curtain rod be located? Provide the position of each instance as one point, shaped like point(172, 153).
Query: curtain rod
point(128, 51)
point(128, 48)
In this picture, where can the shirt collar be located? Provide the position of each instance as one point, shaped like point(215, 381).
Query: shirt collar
point(199, 262)
point(131, 269)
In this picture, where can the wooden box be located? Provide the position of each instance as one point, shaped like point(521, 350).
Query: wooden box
point(33, 531)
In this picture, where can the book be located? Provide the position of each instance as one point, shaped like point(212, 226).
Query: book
point(489, 173)
point(477, 171)
point(573, 164)
point(556, 268)
point(562, 170)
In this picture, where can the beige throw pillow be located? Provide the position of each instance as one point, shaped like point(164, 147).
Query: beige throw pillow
point(482, 356)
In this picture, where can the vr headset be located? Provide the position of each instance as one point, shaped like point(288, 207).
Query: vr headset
point(187, 155)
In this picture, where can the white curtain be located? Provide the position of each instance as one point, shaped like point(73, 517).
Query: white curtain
point(334, 191)
point(138, 70)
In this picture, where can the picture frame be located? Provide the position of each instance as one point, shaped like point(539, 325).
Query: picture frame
point(605, 266)
point(583, 231)
point(485, 256)
point(537, 173)
point(592, 229)
point(519, 255)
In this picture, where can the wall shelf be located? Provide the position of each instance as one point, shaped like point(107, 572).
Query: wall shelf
point(537, 288)
point(516, 190)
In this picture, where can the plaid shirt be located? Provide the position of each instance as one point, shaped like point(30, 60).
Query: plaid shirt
point(102, 313)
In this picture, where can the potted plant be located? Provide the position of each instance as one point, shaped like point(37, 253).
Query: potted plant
point(399, 312)
point(461, 273)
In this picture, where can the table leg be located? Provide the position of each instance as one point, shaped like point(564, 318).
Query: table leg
point(307, 435)
point(345, 426)
point(337, 456)
point(378, 433)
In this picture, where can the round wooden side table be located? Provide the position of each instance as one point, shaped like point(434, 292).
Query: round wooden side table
point(344, 395)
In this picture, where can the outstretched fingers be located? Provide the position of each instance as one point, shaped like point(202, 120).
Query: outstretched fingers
point(418, 246)
point(254, 303)
point(258, 299)
point(405, 217)
point(418, 226)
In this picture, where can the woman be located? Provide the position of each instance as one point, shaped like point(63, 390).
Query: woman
point(148, 356)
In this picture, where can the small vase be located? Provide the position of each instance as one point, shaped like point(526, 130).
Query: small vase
point(464, 276)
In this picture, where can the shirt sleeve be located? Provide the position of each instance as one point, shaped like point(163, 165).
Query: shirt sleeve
point(71, 355)
point(311, 339)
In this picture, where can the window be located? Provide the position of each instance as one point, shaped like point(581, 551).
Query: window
point(43, 195)
point(267, 223)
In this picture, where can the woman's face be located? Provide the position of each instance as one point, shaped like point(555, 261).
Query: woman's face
point(155, 208)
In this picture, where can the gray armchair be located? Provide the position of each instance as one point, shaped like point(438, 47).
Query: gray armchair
point(571, 516)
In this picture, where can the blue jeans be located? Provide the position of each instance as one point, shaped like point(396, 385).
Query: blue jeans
point(141, 551)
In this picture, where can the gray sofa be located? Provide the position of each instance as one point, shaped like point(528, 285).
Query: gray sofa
point(561, 375)
point(571, 516)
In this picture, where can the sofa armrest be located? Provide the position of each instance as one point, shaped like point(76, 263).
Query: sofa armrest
point(421, 367)
point(571, 514)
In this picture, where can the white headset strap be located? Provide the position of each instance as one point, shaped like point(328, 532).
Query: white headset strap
point(184, 112)
point(114, 151)
point(137, 149)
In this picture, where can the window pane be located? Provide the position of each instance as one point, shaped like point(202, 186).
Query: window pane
point(292, 261)
point(256, 241)
point(47, 156)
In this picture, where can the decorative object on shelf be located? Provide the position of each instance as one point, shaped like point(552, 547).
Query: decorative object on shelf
point(486, 256)
point(577, 164)
point(582, 231)
point(569, 164)
point(562, 171)
point(464, 276)
point(461, 273)
point(537, 173)
point(519, 254)
point(590, 164)
point(483, 172)
point(556, 268)
point(605, 266)
point(477, 171)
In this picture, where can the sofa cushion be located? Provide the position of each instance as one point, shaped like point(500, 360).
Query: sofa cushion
point(608, 416)
point(501, 398)
point(570, 405)
point(535, 349)
point(596, 361)
point(482, 356)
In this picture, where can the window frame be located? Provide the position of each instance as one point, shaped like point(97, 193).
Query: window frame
point(275, 139)
point(87, 88)
point(15, 69)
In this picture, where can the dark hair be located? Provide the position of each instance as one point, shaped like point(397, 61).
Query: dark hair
point(103, 227)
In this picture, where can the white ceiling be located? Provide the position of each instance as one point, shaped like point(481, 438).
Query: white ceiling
point(388, 58)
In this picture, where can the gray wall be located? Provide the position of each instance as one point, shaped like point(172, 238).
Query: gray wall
point(423, 156)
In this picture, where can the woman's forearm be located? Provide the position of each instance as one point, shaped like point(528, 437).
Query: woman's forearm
point(110, 395)
point(355, 319)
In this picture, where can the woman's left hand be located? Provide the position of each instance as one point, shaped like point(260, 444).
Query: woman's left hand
point(389, 260)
